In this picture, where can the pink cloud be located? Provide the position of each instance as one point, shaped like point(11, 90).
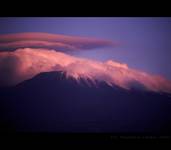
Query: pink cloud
point(55, 41)
point(23, 64)
point(37, 44)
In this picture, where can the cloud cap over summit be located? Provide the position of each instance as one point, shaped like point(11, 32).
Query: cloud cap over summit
point(24, 64)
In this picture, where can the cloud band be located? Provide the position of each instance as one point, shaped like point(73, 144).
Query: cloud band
point(51, 41)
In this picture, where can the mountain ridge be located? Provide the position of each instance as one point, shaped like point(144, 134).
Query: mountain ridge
point(50, 102)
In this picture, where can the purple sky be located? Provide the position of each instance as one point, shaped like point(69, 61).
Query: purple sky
point(145, 41)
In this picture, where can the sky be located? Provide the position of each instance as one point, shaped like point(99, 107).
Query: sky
point(144, 42)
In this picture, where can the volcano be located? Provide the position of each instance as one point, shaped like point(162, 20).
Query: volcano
point(53, 102)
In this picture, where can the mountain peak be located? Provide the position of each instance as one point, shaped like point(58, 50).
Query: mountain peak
point(51, 101)
point(24, 64)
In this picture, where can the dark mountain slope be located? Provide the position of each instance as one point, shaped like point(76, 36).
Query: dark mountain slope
point(50, 102)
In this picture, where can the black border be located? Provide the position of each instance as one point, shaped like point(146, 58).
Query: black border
point(65, 139)
point(86, 8)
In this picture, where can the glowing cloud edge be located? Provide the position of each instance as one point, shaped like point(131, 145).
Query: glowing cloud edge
point(23, 64)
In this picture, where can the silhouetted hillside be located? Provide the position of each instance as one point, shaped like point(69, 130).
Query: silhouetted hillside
point(50, 102)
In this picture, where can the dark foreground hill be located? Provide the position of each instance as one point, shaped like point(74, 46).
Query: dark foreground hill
point(50, 102)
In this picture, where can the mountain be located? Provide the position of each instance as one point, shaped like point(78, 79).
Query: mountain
point(52, 102)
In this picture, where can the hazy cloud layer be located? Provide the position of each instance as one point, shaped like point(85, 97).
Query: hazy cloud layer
point(52, 41)
point(23, 64)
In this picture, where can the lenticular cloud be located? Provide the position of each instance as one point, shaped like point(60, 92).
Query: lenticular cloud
point(51, 41)
point(22, 64)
